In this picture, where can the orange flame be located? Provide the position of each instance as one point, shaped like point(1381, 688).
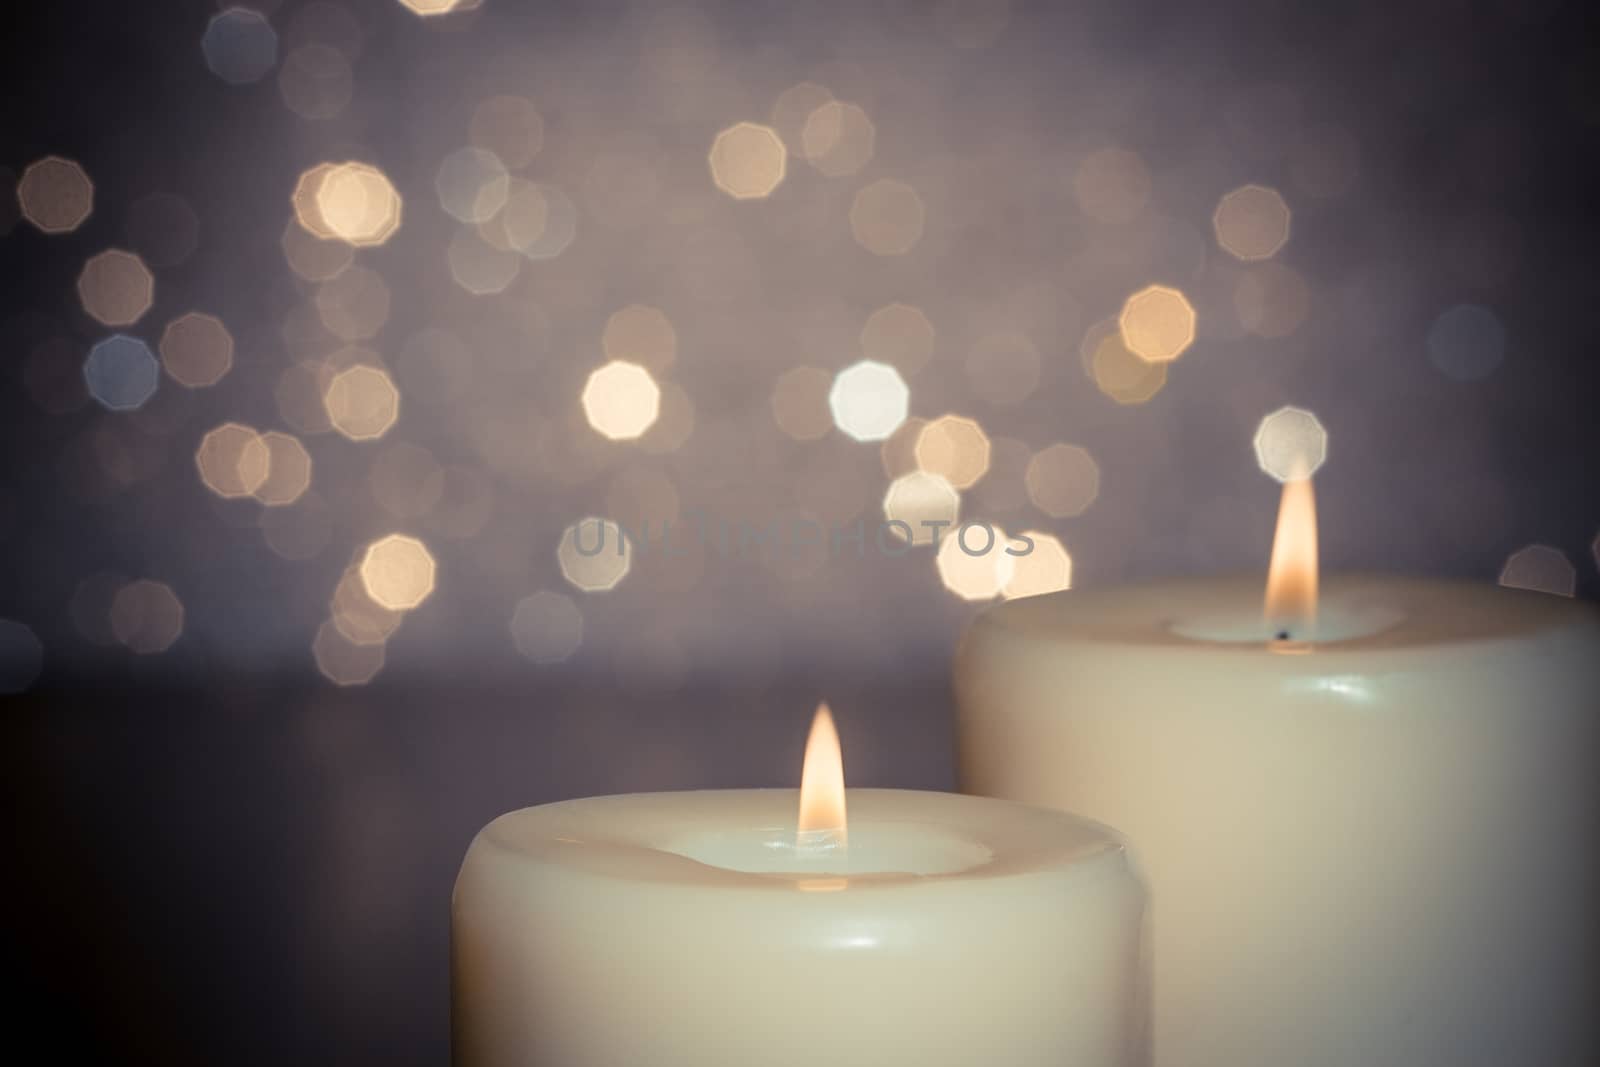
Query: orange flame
point(822, 783)
point(1291, 604)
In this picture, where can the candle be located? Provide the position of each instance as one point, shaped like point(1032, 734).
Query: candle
point(1365, 818)
point(698, 928)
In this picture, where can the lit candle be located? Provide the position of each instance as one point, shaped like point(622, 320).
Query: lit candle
point(1365, 818)
point(711, 928)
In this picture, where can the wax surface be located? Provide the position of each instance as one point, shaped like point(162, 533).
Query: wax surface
point(1371, 850)
point(585, 935)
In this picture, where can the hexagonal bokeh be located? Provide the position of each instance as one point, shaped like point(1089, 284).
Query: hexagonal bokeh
point(1062, 480)
point(436, 8)
point(398, 572)
point(121, 372)
point(1540, 568)
point(146, 616)
point(1157, 323)
point(1252, 222)
point(838, 138)
point(343, 661)
point(196, 349)
point(351, 202)
point(800, 403)
point(362, 402)
point(869, 400)
point(116, 288)
point(641, 334)
point(1117, 371)
point(1290, 444)
point(621, 400)
point(748, 161)
point(233, 460)
point(547, 627)
point(472, 184)
point(899, 335)
point(240, 45)
point(1041, 566)
point(55, 194)
point(356, 615)
point(955, 448)
point(925, 503)
point(974, 562)
point(886, 217)
point(595, 554)
point(288, 470)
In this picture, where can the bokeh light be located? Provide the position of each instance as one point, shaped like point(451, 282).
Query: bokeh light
point(356, 615)
point(479, 266)
point(436, 8)
point(288, 470)
point(800, 403)
point(547, 627)
point(921, 507)
point(869, 400)
point(886, 217)
point(748, 161)
point(354, 305)
point(1117, 371)
point(472, 184)
point(1062, 480)
point(1540, 568)
point(146, 616)
point(233, 460)
point(1467, 342)
point(791, 110)
point(974, 562)
point(1157, 323)
point(1291, 444)
point(398, 572)
point(1252, 222)
point(621, 400)
point(353, 202)
point(314, 258)
point(240, 45)
point(196, 350)
point(510, 127)
point(116, 288)
point(1112, 185)
point(362, 402)
point(595, 554)
point(838, 138)
point(121, 372)
point(55, 194)
point(899, 335)
point(955, 448)
point(1044, 566)
point(343, 661)
point(21, 657)
point(641, 334)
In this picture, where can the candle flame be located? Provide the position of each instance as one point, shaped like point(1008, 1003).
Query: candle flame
point(1291, 604)
point(822, 783)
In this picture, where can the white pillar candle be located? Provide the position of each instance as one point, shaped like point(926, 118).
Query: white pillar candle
point(1371, 847)
point(691, 930)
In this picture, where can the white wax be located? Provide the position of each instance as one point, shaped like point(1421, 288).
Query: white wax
point(1376, 849)
point(689, 930)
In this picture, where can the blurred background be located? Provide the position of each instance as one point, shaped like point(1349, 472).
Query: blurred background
point(339, 333)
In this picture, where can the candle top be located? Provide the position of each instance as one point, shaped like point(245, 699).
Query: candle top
point(1360, 614)
point(745, 838)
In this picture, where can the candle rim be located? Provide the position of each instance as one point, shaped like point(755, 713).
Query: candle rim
point(1033, 841)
